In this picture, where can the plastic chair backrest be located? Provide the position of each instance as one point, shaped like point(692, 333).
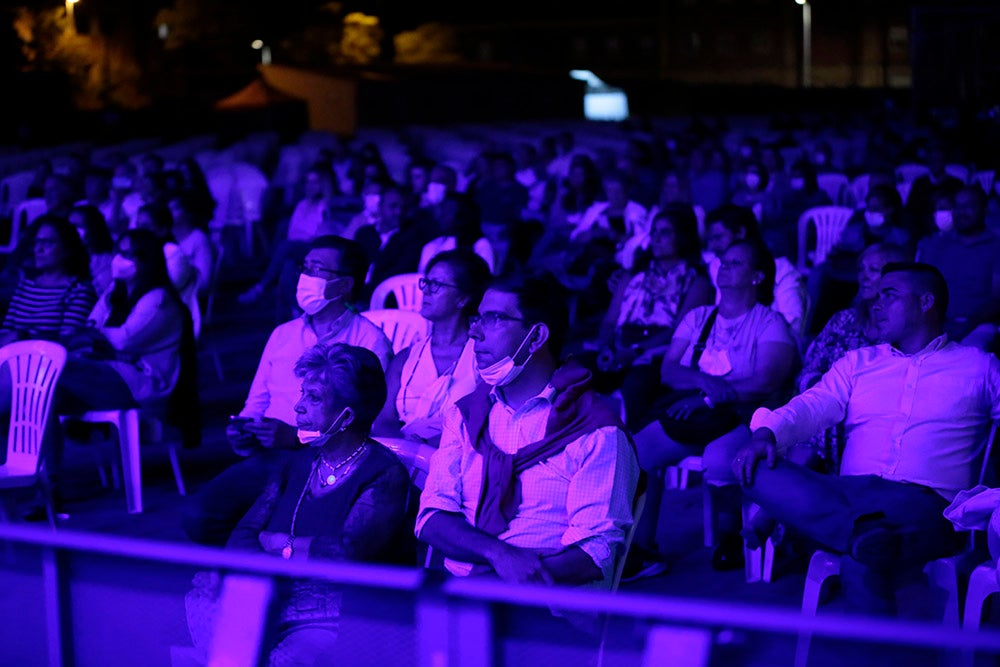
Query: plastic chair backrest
point(638, 505)
point(829, 222)
point(958, 171)
point(404, 287)
point(415, 457)
point(14, 190)
point(835, 186)
point(35, 366)
point(985, 179)
point(859, 190)
point(907, 173)
point(399, 326)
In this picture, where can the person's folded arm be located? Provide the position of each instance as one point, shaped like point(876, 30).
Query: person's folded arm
point(772, 372)
point(599, 506)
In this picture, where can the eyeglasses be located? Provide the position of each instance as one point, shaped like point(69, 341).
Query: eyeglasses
point(321, 272)
point(432, 286)
point(491, 319)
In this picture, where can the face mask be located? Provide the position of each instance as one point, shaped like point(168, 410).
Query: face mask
point(745, 151)
point(122, 269)
point(121, 183)
point(319, 438)
point(311, 294)
point(752, 180)
point(435, 192)
point(874, 218)
point(506, 370)
point(526, 177)
point(797, 183)
point(819, 159)
point(942, 219)
point(372, 203)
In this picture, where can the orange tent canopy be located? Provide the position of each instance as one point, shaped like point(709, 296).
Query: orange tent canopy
point(256, 95)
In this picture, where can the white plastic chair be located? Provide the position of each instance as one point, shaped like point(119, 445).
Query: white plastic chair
point(415, 457)
point(404, 287)
point(829, 222)
point(14, 190)
point(238, 190)
point(907, 173)
point(34, 367)
point(859, 190)
point(24, 214)
point(399, 326)
point(836, 186)
point(983, 582)
point(959, 171)
point(985, 180)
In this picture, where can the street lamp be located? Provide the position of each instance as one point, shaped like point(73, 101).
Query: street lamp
point(265, 51)
point(806, 42)
point(71, 15)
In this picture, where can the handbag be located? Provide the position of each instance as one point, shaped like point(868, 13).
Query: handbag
point(706, 423)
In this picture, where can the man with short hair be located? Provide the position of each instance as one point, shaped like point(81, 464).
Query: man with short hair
point(916, 411)
point(264, 431)
point(534, 479)
point(968, 256)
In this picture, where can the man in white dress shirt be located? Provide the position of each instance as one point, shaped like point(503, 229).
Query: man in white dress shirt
point(534, 479)
point(917, 412)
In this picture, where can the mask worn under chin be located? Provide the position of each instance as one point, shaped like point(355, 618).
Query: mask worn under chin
point(507, 369)
point(122, 269)
point(435, 192)
point(311, 294)
point(874, 218)
point(319, 438)
point(942, 220)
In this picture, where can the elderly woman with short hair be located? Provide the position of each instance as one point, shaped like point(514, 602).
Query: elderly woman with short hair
point(342, 497)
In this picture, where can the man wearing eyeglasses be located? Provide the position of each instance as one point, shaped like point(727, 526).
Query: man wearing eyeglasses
point(264, 431)
point(534, 479)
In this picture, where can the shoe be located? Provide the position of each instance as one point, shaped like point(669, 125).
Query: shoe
point(641, 564)
point(644, 570)
point(877, 545)
point(729, 554)
point(36, 513)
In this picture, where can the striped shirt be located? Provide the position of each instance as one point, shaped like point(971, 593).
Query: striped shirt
point(49, 312)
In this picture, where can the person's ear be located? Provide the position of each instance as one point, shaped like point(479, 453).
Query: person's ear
point(927, 301)
point(539, 337)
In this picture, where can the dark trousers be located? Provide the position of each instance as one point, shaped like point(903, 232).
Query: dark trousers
point(211, 514)
point(829, 510)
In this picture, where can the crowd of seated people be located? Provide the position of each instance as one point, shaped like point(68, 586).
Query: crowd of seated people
point(591, 320)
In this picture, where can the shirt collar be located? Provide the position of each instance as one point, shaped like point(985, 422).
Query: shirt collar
point(544, 397)
point(338, 325)
point(933, 346)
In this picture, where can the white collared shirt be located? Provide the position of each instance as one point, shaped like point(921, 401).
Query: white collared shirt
point(275, 389)
point(581, 496)
point(922, 418)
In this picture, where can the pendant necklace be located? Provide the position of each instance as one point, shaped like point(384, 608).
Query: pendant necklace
point(330, 477)
point(289, 548)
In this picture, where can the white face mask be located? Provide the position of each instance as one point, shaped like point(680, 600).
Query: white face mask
point(122, 269)
point(526, 177)
point(874, 218)
point(372, 203)
point(311, 294)
point(435, 192)
point(942, 220)
point(797, 183)
point(752, 180)
point(507, 369)
point(819, 159)
point(319, 438)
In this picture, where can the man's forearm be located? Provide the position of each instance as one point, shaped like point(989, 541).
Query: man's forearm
point(451, 534)
point(572, 566)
